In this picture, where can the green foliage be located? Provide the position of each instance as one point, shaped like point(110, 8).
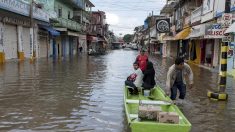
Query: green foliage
point(128, 38)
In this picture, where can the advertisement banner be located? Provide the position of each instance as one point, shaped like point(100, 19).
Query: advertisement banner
point(214, 31)
point(207, 6)
point(232, 5)
point(163, 25)
point(219, 8)
point(197, 31)
point(227, 19)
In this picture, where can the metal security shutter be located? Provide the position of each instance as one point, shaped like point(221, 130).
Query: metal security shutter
point(42, 47)
point(26, 42)
point(10, 42)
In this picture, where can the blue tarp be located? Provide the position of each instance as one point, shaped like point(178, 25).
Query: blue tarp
point(52, 31)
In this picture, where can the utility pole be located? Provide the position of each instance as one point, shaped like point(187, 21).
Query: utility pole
point(224, 58)
point(221, 95)
point(149, 31)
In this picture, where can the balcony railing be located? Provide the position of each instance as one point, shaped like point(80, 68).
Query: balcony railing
point(72, 25)
point(196, 15)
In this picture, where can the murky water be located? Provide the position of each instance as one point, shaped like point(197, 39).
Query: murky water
point(85, 93)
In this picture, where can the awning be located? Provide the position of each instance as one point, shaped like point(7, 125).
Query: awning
point(52, 31)
point(231, 29)
point(168, 38)
point(70, 33)
point(92, 38)
point(183, 34)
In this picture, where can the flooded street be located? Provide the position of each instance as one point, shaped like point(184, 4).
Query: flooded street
point(85, 93)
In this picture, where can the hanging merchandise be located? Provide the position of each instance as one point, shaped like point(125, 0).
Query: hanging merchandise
point(193, 53)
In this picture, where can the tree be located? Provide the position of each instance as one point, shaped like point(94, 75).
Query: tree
point(128, 38)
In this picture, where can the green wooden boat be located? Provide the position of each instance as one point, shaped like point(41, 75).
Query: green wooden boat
point(157, 96)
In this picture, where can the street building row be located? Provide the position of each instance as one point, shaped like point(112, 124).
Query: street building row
point(194, 30)
point(50, 28)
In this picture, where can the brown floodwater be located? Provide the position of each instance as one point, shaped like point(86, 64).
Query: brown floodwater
point(85, 93)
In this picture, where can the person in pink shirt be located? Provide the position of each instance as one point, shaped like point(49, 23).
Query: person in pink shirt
point(142, 60)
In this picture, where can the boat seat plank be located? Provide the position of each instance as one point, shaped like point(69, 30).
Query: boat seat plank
point(150, 102)
point(133, 115)
point(136, 116)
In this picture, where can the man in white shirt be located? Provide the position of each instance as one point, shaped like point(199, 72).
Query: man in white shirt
point(135, 80)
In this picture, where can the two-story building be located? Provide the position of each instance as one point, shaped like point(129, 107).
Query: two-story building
point(97, 34)
point(196, 31)
point(19, 26)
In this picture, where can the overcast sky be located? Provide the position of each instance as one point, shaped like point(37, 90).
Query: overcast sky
point(124, 15)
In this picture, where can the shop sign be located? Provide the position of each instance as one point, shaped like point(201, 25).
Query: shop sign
point(23, 8)
point(232, 5)
point(16, 6)
point(214, 31)
point(197, 31)
point(163, 25)
point(219, 8)
point(227, 38)
point(227, 19)
point(16, 21)
point(207, 6)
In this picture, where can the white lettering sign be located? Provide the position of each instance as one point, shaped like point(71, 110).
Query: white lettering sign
point(15, 6)
point(214, 31)
point(227, 19)
point(22, 8)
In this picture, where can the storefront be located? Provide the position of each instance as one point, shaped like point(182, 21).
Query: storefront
point(15, 36)
point(83, 42)
point(19, 37)
point(183, 43)
point(231, 50)
point(43, 40)
point(211, 46)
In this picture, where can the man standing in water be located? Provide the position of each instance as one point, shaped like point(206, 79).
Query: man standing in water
point(176, 79)
point(142, 60)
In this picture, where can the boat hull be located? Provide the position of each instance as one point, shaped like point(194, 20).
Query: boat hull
point(157, 94)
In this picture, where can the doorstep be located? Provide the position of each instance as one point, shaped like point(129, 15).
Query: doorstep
point(215, 70)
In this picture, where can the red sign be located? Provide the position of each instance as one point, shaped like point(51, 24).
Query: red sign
point(227, 19)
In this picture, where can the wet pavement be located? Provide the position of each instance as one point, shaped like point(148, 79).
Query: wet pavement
point(85, 93)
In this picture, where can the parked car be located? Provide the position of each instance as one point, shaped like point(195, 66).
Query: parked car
point(134, 46)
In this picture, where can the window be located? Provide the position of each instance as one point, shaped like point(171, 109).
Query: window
point(69, 16)
point(60, 12)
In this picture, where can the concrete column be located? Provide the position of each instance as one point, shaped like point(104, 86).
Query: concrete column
point(20, 43)
point(36, 42)
point(2, 54)
point(164, 50)
point(216, 53)
point(31, 44)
